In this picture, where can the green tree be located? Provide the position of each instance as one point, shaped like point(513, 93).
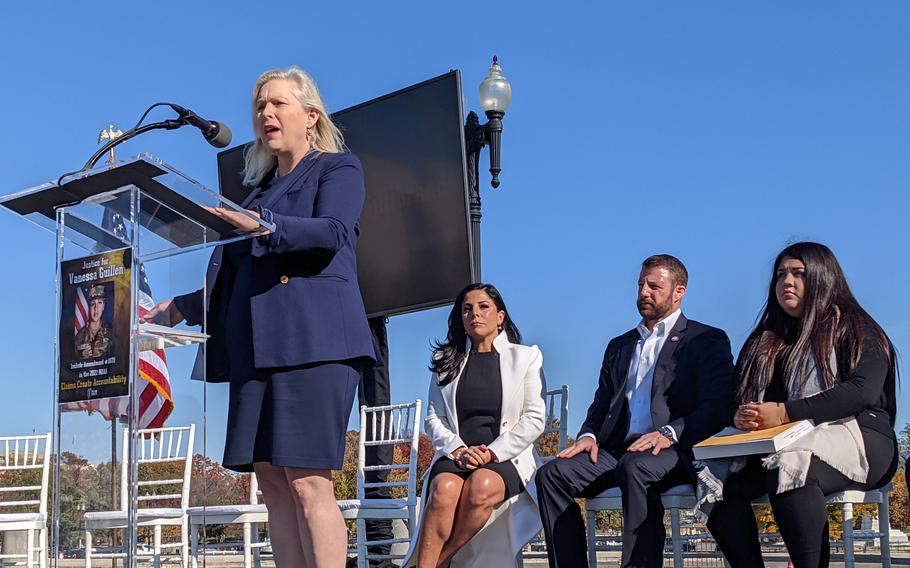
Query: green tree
point(903, 440)
point(345, 480)
point(212, 485)
point(77, 476)
point(898, 499)
point(900, 511)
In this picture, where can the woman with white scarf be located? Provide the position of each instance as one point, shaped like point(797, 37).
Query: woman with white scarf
point(815, 354)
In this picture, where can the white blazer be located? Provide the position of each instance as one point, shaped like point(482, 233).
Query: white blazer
point(523, 414)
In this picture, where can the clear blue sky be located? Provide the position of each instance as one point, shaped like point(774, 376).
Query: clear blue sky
point(712, 130)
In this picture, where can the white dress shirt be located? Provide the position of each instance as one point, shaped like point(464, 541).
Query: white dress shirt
point(641, 376)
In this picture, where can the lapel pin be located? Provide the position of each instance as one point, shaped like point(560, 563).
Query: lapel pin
point(674, 338)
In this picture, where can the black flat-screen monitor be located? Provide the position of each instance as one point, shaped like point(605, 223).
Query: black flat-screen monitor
point(414, 250)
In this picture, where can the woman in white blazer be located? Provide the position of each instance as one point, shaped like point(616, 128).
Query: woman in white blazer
point(486, 409)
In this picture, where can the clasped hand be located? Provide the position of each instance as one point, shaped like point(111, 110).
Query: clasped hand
point(760, 415)
point(472, 457)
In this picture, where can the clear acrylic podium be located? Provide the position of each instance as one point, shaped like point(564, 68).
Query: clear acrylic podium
point(129, 235)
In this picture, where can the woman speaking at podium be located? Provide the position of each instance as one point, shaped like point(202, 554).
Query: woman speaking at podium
point(816, 355)
point(286, 319)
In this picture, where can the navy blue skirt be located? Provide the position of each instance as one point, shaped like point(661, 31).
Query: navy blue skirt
point(294, 417)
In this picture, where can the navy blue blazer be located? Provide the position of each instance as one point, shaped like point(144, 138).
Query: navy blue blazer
point(692, 389)
point(306, 304)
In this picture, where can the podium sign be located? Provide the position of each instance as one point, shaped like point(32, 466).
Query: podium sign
point(94, 336)
point(123, 231)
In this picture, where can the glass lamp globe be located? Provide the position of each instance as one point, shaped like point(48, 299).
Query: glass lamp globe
point(495, 90)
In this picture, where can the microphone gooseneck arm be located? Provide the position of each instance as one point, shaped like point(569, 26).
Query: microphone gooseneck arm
point(164, 124)
point(216, 133)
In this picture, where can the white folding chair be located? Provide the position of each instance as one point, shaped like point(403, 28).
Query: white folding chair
point(683, 497)
point(155, 446)
point(249, 515)
point(25, 454)
point(674, 499)
point(389, 426)
point(845, 500)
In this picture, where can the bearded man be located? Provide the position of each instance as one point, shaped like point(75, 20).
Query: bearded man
point(664, 386)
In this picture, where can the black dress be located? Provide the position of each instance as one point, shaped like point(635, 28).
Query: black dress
point(478, 403)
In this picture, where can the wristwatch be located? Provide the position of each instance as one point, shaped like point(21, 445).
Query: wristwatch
point(667, 433)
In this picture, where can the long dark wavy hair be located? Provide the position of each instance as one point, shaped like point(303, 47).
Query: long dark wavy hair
point(832, 319)
point(450, 354)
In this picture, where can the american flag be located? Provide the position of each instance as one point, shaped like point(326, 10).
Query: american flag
point(80, 318)
point(155, 402)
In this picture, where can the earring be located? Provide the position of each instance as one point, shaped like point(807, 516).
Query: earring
point(500, 327)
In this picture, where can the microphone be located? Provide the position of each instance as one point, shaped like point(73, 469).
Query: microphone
point(216, 133)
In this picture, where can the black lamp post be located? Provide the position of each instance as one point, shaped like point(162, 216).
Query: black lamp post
point(495, 96)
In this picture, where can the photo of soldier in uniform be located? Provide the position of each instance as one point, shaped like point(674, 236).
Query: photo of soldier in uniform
point(95, 338)
point(94, 328)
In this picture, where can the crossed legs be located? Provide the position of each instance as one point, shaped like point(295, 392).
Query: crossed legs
point(305, 524)
point(456, 510)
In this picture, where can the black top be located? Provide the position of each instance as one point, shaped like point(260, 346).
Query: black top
point(867, 393)
point(777, 388)
point(478, 399)
point(240, 357)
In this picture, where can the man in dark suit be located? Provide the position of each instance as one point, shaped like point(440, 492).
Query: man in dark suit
point(664, 386)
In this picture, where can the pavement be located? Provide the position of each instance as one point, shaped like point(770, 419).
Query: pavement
point(611, 559)
point(604, 559)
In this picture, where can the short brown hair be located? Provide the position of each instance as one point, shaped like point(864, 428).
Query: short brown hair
point(674, 266)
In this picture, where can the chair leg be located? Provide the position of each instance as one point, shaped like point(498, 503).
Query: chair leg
point(257, 558)
point(88, 549)
point(676, 535)
point(185, 543)
point(30, 549)
point(884, 517)
point(592, 539)
point(849, 559)
point(247, 551)
point(362, 561)
point(42, 543)
point(194, 540)
point(157, 549)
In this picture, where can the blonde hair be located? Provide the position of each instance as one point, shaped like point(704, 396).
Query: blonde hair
point(324, 136)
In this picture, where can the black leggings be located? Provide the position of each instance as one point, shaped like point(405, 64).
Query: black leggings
point(801, 514)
